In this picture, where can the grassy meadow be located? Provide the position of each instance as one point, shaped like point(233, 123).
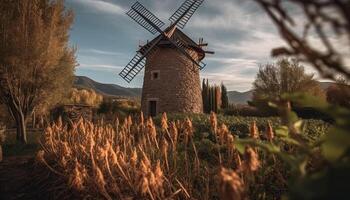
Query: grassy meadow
point(169, 157)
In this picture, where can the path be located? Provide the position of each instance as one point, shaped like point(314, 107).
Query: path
point(14, 177)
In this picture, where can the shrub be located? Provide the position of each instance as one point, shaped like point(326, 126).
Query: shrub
point(247, 110)
point(118, 107)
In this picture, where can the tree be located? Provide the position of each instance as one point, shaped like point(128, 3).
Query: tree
point(339, 93)
point(285, 76)
point(205, 94)
point(85, 96)
point(224, 97)
point(211, 96)
point(36, 63)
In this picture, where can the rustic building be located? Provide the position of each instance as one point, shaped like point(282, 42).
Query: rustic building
point(171, 60)
point(73, 112)
point(171, 81)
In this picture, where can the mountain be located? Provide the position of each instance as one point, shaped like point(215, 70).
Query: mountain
point(116, 90)
point(239, 97)
point(106, 89)
point(325, 85)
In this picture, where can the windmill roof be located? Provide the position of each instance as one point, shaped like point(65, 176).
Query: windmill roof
point(176, 34)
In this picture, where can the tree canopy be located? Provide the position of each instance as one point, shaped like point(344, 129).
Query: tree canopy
point(36, 62)
point(284, 76)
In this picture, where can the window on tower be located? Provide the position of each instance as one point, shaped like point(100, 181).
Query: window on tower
point(155, 75)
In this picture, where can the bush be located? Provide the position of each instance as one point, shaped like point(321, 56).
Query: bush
point(118, 107)
point(240, 126)
point(85, 97)
point(247, 110)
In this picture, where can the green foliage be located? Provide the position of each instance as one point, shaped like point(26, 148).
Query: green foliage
point(211, 96)
point(248, 110)
point(121, 108)
point(318, 159)
point(240, 125)
point(224, 97)
point(285, 76)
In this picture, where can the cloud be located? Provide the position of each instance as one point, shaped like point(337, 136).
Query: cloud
point(102, 6)
point(100, 52)
point(100, 67)
point(231, 81)
point(239, 32)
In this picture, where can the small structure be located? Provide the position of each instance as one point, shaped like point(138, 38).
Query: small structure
point(73, 112)
point(172, 62)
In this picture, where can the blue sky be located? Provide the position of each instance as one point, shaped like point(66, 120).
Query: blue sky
point(238, 31)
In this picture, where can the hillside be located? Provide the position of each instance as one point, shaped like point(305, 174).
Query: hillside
point(106, 89)
point(116, 90)
point(239, 97)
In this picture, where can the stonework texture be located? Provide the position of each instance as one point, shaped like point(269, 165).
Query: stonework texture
point(178, 88)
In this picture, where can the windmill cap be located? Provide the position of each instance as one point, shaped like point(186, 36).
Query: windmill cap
point(177, 34)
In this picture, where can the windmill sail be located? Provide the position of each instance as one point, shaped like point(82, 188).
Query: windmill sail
point(136, 64)
point(145, 18)
point(185, 12)
point(181, 47)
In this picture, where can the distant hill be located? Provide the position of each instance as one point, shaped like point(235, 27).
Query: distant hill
point(116, 90)
point(239, 97)
point(325, 85)
point(243, 97)
point(106, 89)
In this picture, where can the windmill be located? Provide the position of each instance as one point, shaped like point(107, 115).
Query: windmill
point(172, 62)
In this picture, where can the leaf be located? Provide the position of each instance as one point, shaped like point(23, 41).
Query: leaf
point(273, 105)
point(298, 125)
point(240, 147)
point(307, 100)
point(265, 146)
point(337, 142)
point(282, 131)
point(290, 141)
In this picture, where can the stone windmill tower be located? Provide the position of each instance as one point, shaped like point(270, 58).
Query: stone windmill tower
point(172, 62)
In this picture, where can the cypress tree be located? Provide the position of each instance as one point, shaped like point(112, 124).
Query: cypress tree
point(207, 97)
point(224, 97)
point(204, 95)
point(214, 99)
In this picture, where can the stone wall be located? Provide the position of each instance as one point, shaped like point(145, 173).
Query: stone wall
point(178, 87)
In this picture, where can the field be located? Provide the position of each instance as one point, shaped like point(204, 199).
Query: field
point(172, 157)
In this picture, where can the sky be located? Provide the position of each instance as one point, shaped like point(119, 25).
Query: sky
point(239, 32)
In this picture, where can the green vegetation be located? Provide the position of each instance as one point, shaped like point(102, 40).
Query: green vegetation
point(240, 126)
point(111, 108)
point(224, 97)
point(211, 96)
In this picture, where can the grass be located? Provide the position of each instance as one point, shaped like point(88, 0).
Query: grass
point(240, 125)
point(174, 158)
